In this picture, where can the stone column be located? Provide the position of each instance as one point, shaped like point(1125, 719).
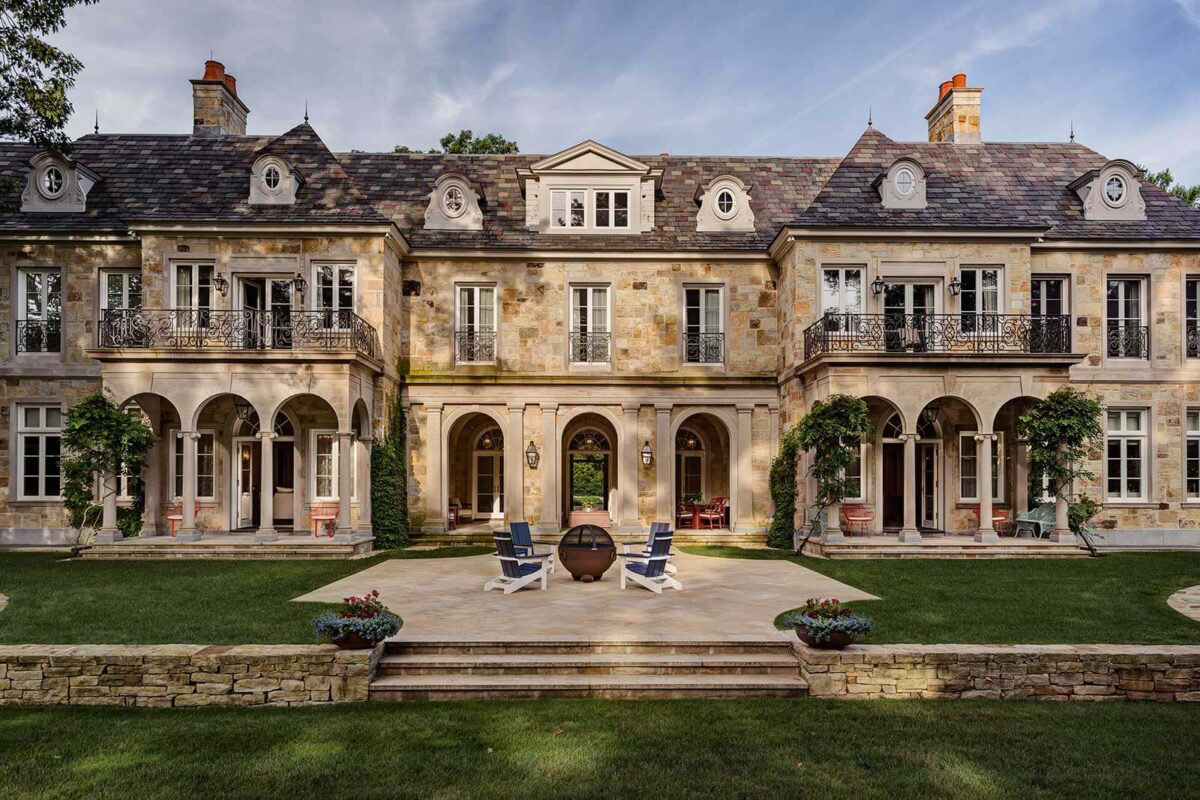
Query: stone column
point(435, 513)
point(627, 474)
point(152, 481)
point(910, 532)
point(187, 526)
point(1062, 532)
point(745, 469)
point(1021, 489)
point(664, 464)
point(109, 532)
point(833, 524)
point(344, 532)
point(773, 432)
point(514, 464)
point(363, 529)
point(266, 488)
point(983, 454)
point(551, 521)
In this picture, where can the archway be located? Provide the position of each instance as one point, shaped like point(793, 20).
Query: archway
point(163, 417)
point(589, 470)
point(304, 462)
point(703, 472)
point(946, 493)
point(1012, 464)
point(475, 469)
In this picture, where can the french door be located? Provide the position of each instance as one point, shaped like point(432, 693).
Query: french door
point(262, 295)
point(908, 310)
point(1049, 330)
point(247, 483)
point(489, 485)
point(1125, 313)
point(928, 480)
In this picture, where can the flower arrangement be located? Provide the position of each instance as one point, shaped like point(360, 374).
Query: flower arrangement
point(361, 622)
point(827, 624)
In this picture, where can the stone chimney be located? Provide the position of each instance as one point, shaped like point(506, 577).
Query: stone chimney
point(955, 115)
point(217, 111)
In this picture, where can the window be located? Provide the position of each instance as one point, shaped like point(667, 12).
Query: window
point(325, 464)
point(904, 181)
point(193, 294)
point(1050, 324)
point(612, 209)
point(335, 294)
point(454, 202)
point(590, 336)
point(1125, 454)
point(567, 208)
point(53, 182)
point(1191, 315)
point(703, 333)
point(40, 444)
point(854, 479)
point(1125, 314)
point(475, 330)
point(968, 467)
point(980, 298)
point(206, 463)
point(121, 291)
point(842, 297)
point(271, 177)
point(1114, 191)
point(39, 311)
point(726, 204)
point(1191, 467)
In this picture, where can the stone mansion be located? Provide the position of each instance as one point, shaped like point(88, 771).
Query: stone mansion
point(652, 321)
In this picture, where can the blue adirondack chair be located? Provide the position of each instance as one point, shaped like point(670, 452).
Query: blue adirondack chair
point(517, 571)
point(657, 529)
point(650, 571)
point(523, 542)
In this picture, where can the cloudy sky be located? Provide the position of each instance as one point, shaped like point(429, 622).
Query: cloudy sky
point(786, 78)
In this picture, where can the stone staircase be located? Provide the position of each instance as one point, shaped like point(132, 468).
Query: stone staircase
point(683, 536)
point(453, 670)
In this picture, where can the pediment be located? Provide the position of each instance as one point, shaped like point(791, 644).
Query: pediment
point(589, 158)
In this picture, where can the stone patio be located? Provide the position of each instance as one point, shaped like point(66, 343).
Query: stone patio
point(723, 599)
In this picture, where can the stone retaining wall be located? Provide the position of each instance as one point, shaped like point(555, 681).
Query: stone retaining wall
point(184, 674)
point(1040, 672)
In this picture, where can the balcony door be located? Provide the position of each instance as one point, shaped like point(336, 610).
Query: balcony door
point(267, 304)
point(1049, 330)
point(908, 309)
point(1125, 311)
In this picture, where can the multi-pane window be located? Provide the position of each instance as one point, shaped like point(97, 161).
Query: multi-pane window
point(703, 332)
point(1050, 329)
point(39, 310)
point(854, 479)
point(475, 330)
point(335, 294)
point(567, 208)
point(612, 209)
point(968, 467)
point(1125, 318)
point(39, 440)
point(121, 290)
point(193, 294)
point(206, 466)
point(979, 300)
point(325, 466)
point(590, 337)
point(1191, 315)
point(1191, 467)
point(841, 297)
point(1125, 454)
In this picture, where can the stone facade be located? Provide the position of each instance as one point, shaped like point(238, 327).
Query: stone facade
point(179, 675)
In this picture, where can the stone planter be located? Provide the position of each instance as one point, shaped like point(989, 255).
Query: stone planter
point(836, 641)
point(352, 641)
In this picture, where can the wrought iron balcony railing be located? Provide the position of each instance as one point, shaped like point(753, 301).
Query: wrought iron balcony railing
point(200, 329)
point(39, 335)
point(1193, 339)
point(1128, 341)
point(474, 347)
point(590, 348)
point(937, 333)
point(703, 348)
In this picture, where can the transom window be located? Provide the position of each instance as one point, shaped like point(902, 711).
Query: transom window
point(39, 438)
point(39, 310)
point(968, 467)
point(1191, 467)
point(475, 330)
point(1125, 451)
point(589, 441)
point(703, 330)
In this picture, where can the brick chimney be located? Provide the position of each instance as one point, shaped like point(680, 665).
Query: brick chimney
point(216, 109)
point(955, 115)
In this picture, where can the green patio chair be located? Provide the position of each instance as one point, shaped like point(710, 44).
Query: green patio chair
point(1038, 522)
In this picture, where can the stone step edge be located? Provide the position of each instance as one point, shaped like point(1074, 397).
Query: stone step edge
point(550, 682)
point(392, 646)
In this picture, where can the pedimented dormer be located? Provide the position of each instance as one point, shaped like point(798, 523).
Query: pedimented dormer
point(453, 205)
point(903, 185)
point(56, 184)
point(1113, 192)
point(273, 182)
point(589, 189)
point(724, 206)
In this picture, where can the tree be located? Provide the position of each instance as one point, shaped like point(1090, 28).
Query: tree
point(465, 141)
point(832, 432)
point(389, 479)
point(1166, 181)
point(1061, 430)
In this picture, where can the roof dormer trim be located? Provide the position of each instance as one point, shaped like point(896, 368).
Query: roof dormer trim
point(56, 183)
point(453, 204)
point(1112, 192)
point(902, 187)
point(273, 181)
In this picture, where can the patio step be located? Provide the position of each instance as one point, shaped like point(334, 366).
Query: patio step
point(215, 548)
point(850, 549)
point(458, 670)
point(683, 536)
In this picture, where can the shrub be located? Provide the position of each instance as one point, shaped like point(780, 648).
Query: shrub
point(783, 491)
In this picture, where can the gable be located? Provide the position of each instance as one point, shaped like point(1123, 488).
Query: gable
point(589, 157)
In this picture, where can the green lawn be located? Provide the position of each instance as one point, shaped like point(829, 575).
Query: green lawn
point(1115, 599)
point(583, 749)
point(55, 601)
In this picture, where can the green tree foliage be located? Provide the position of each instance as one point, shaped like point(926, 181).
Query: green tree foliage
point(389, 480)
point(831, 432)
point(783, 490)
point(465, 141)
point(587, 480)
point(1061, 429)
point(1166, 181)
point(98, 438)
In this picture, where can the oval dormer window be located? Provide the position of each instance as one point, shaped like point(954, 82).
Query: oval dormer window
point(905, 182)
point(454, 202)
point(1114, 190)
point(726, 204)
point(52, 182)
point(271, 177)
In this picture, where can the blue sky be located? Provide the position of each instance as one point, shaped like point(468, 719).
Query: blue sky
point(744, 78)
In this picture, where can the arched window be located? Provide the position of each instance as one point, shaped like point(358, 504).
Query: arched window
point(589, 440)
point(283, 425)
point(892, 429)
point(491, 439)
point(688, 440)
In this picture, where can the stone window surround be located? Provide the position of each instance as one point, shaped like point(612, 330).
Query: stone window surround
point(484, 283)
point(723, 287)
point(998, 471)
point(310, 299)
point(227, 264)
point(1068, 280)
point(1127, 273)
point(1148, 465)
point(16, 460)
point(574, 282)
point(1185, 435)
point(842, 268)
point(1001, 286)
point(938, 270)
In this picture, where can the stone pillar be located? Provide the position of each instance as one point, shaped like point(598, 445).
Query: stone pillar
point(627, 476)
point(833, 524)
point(910, 532)
point(344, 532)
point(1021, 489)
point(514, 464)
point(983, 456)
point(435, 513)
point(745, 469)
point(363, 529)
point(266, 488)
point(773, 432)
point(152, 481)
point(109, 532)
point(1062, 532)
point(551, 520)
point(664, 464)
point(187, 526)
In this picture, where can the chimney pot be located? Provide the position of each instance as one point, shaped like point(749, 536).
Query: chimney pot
point(231, 82)
point(213, 71)
point(944, 89)
point(955, 116)
point(960, 80)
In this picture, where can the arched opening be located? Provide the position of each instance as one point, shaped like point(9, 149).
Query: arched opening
point(305, 463)
point(1013, 461)
point(475, 470)
point(703, 472)
point(947, 470)
point(589, 470)
point(163, 418)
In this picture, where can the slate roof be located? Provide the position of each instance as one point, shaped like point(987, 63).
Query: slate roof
point(157, 178)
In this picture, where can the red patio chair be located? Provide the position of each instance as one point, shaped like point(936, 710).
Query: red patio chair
point(324, 512)
point(856, 515)
point(713, 515)
point(173, 513)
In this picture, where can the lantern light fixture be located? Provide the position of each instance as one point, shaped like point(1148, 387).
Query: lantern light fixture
point(244, 410)
point(647, 454)
point(877, 285)
point(299, 284)
point(222, 284)
point(532, 455)
point(955, 286)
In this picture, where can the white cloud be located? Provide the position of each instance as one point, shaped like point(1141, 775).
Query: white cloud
point(1190, 10)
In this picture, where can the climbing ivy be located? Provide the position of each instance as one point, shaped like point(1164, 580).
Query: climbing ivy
point(783, 490)
point(389, 479)
point(1061, 429)
point(831, 432)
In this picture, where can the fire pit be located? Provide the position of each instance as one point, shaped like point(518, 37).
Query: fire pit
point(587, 551)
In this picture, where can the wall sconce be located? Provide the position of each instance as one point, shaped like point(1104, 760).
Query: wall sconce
point(955, 286)
point(877, 285)
point(647, 454)
point(222, 284)
point(532, 455)
point(299, 284)
point(244, 410)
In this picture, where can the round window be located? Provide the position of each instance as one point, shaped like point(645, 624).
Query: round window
point(726, 203)
point(904, 182)
point(271, 177)
point(1114, 190)
point(454, 202)
point(52, 181)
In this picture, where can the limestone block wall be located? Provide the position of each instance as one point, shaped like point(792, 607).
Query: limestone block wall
point(180, 675)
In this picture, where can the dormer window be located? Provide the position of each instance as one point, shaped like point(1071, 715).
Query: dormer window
point(906, 182)
point(52, 182)
point(56, 183)
point(271, 177)
point(724, 206)
point(453, 205)
point(1111, 193)
point(612, 209)
point(902, 186)
point(453, 202)
point(567, 208)
point(1114, 191)
point(589, 189)
point(273, 182)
